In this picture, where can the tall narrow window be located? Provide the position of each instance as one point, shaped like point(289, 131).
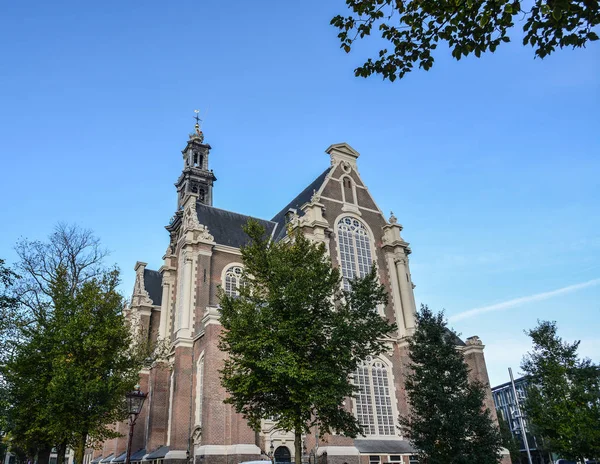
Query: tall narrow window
point(199, 389)
point(355, 249)
point(374, 400)
point(233, 280)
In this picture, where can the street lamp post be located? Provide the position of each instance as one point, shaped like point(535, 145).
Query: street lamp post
point(272, 453)
point(135, 401)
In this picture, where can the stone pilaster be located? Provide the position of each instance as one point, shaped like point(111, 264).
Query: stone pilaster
point(396, 251)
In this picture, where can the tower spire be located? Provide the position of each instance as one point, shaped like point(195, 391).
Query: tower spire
point(196, 177)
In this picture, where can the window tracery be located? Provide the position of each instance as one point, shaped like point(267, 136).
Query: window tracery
point(374, 399)
point(233, 281)
point(355, 249)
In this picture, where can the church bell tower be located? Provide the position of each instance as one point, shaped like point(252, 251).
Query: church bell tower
point(196, 177)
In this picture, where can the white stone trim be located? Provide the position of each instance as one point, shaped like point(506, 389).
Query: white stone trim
point(348, 205)
point(176, 454)
point(212, 315)
point(359, 207)
point(170, 419)
point(226, 268)
point(199, 389)
point(225, 450)
point(228, 249)
point(338, 451)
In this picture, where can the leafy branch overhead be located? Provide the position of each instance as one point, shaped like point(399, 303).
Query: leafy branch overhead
point(415, 28)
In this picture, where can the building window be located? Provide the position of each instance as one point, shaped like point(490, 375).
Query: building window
point(374, 459)
point(395, 458)
point(233, 280)
point(373, 400)
point(199, 389)
point(355, 249)
point(413, 459)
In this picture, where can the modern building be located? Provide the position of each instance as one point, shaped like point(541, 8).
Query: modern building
point(184, 418)
point(504, 401)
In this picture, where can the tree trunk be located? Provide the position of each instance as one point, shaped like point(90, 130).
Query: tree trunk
point(44, 455)
point(80, 449)
point(61, 449)
point(298, 445)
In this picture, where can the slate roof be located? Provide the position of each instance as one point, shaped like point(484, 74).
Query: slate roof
point(138, 455)
point(157, 454)
point(296, 203)
point(226, 226)
point(107, 458)
point(153, 283)
point(384, 447)
point(98, 459)
point(120, 458)
point(455, 338)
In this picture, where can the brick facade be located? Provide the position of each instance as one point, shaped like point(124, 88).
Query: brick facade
point(187, 413)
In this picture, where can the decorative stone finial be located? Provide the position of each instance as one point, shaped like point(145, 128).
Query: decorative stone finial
point(474, 340)
point(393, 219)
point(315, 198)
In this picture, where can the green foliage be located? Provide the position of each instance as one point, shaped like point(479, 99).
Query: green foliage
point(414, 28)
point(563, 397)
point(508, 440)
point(71, 357)
point(294, 338)
point(448, 422)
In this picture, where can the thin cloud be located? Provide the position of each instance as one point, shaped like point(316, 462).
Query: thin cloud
point(522, 300)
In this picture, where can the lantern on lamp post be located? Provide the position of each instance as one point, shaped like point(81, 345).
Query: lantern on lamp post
point(135, 401)
point(272, 453)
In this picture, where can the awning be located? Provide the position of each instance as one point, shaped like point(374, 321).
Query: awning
point(107, 458)
point(138, 455)
point(384, 447)
point(158, 454)
point(120, 458)
point(97, 460)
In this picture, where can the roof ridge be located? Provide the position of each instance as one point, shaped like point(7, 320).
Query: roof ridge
point(295, 199)
point(231, 212)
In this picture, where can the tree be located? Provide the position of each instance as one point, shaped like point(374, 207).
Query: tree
point(294, 338)
point(563, 395)
point(508, 440)
point(71, 356)
point(448, 422)
point(414, 28)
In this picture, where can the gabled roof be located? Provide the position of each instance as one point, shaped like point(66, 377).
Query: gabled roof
point(226, 226)
point(153, 284)
point(384, 447)
point(296, 203)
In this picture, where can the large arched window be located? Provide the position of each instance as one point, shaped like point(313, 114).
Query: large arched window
point(374, 399)
point(233, 280)
point(355, 249)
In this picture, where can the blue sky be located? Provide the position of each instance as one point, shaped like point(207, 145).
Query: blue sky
point(492, 165)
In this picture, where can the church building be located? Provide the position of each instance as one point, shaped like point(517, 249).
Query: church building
point(184, 418)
